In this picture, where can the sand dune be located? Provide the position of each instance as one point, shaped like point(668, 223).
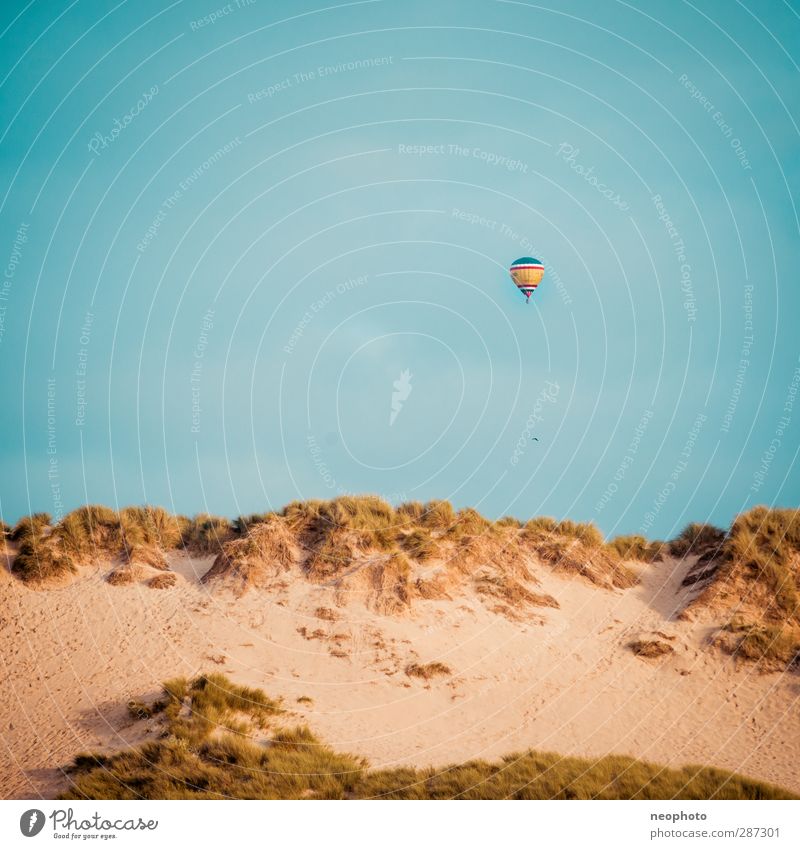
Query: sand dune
point(556, 678)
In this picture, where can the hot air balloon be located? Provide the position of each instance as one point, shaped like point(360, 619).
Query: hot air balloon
point(526, 272)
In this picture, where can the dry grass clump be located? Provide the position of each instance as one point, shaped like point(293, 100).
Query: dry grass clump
point(365, 521)
point(359, 513)
point(756, 569)
point(411, 513)
point(124, 575)
point(150, 526)
point(265, 552)
point(426, 671)
point(139, 710)
point(637, 547)
point(146, 555)
point(334, 554)
point(764, 545)
point(577, 548)
point(42, 563)
point(586, 532)
point(597, 565)
point(696, 538)
point(206, 534)
point(772, 646)
point(90, 531)
point(545, 527)
point(48, 551)
point(468, 522)
point(419, 544)
point(243, 524)
point(163, 581)
point(510, 591)
point(206, 752)
point(545, 775)
point(391, 584)
point(650, 648)
point(30, 525)
point(539, 527)
point(438, 515)
point(508, 522)
point(40, 558)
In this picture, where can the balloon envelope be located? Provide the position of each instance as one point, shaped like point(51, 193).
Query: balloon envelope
point(526, 272)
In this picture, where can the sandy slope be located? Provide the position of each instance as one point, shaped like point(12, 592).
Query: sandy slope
point(563, 680)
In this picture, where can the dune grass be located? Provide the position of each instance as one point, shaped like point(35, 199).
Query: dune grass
point(697, 538)
point(765, 544)
point(151, 526)
point(637, 547)
point(773, 645)
point(426, 671)
point(206, 534)
point(419, 544)
point(39, 560)
point(28, 525)
point(207, 751)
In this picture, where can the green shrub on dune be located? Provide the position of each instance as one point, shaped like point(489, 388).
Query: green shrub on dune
point(207, 751)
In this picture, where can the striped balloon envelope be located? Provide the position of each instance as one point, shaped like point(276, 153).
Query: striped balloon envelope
point(526, 272)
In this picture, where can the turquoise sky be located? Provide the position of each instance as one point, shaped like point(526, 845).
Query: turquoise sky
point(231, 233)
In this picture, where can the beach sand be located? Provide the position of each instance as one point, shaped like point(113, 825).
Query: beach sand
point(561, 680)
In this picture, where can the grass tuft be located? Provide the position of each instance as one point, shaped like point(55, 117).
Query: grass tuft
point(696, 538)
point(637, 547)
point(426, 671)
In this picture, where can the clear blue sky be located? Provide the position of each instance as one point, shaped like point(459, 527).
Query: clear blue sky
point(228, 229)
